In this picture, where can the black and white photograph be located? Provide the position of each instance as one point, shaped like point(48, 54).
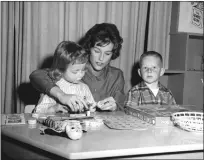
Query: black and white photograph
point(101, 80)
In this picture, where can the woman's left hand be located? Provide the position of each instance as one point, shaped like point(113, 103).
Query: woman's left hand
point(107, 104)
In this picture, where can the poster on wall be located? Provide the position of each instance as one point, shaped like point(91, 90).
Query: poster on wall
point(191, 17)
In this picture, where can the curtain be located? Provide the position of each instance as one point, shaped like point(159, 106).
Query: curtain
point(7, 60)
point(132, 28)
point(30, 32)
point(159, 29)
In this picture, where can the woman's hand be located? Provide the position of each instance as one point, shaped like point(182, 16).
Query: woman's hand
point(107, 104)
point(74, 102)
point(57, 108)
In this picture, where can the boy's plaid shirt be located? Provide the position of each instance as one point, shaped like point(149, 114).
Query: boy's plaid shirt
point(142, 95)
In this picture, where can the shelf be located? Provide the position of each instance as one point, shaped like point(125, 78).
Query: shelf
point(181, 71)
point(195, 70)
point(174, 71)
point(187, 33)
point(184, 76)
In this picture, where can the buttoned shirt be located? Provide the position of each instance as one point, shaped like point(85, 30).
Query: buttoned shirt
point(110, 83)
point(141, 94)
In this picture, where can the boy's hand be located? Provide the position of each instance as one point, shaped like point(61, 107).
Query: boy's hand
point(107, 104)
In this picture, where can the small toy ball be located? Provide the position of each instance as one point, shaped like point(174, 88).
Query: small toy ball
point(74, 130)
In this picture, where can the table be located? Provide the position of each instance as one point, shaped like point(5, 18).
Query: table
point(22, 142)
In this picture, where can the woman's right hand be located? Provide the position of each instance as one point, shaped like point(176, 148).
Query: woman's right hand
point(74, 102)
point(57, 108)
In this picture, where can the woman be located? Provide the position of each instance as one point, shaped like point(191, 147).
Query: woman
point(103, 42)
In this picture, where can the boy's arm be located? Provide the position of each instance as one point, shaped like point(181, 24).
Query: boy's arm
point(172, 100)
point(128, 100)
point(132, 98)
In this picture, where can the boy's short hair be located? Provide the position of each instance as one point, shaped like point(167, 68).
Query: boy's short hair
point(150, 53)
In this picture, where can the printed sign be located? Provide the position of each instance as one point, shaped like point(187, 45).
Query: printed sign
point(191, 17)
point(197, 14)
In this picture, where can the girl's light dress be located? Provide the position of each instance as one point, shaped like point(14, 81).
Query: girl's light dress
point(80, 89)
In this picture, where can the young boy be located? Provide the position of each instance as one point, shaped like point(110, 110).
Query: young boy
point(150, 90)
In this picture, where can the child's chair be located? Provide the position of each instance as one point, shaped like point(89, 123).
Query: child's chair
point(29, 108)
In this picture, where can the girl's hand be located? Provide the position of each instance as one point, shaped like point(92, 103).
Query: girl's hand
point(107, 104)
point(92, 107)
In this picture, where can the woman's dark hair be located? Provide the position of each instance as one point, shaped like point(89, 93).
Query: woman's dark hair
point(66, 53)
point(150, 53)
point(103, 34)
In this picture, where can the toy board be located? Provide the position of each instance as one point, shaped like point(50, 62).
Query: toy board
point(124, 122)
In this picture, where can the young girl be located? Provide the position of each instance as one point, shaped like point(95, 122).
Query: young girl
point(67, 70)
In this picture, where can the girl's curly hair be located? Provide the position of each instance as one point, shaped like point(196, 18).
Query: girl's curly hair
point(66, 53)
point(102, 34)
